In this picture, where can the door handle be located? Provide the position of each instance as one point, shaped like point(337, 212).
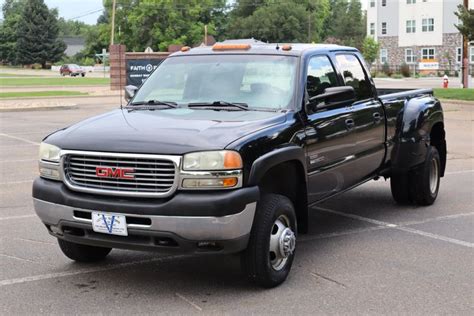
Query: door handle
point(350, 123)
point(377, 116)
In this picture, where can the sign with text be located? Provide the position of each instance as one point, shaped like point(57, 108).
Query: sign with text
point(428, 66)
point(138, 70)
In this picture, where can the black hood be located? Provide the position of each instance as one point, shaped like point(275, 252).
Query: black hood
point(170, 131)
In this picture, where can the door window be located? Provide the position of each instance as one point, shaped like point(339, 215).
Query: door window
point(354, 75)
point(320, 75)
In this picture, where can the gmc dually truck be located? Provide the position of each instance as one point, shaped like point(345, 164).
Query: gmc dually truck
point(223, 149)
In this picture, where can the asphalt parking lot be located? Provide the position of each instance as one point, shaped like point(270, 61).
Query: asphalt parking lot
point(364, 254)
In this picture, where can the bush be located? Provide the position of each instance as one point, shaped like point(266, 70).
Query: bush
point(397, 76)
point(405, 70)
point(386, 69)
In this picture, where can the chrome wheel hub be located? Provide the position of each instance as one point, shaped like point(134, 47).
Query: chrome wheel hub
point(282, 242)
point(434, 176)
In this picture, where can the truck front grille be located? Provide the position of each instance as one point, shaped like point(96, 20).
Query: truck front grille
point(121, 174)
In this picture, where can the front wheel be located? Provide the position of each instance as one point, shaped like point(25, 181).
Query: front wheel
point(83, 253)
point(268, 258)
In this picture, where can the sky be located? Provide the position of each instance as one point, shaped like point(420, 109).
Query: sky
point(81, 10)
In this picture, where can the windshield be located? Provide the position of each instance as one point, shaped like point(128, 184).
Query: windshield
point(254, 80)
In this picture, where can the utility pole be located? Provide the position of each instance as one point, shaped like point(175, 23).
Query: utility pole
point(309, 26)
point(113, 23)
point(465, 56)
point(205, 34)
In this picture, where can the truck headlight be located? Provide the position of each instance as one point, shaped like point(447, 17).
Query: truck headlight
point(212, 160)
point(49, 157)
point(49, 152)
point(212, 170)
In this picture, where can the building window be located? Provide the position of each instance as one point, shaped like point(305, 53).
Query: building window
point(459, 55)
point(384, 3)
point(411, 26)
point(410, 57)
point(427, 25)
point(411, 1)
point(383, 55)
point(471, 54)
point(372, 29)
point(372, 3)
point(428, 53)
point(384, 28)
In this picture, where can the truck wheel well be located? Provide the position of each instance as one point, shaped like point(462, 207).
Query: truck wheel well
point(438, 140)
point(289, 179)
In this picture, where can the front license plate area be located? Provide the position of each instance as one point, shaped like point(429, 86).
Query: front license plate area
point(111, 224)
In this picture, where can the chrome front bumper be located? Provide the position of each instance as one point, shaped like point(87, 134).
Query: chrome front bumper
point(185, 228)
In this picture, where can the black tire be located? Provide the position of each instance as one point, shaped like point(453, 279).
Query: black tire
point(256, 259)
point(83, 75)
point(399, 185)
point(83, 253)
point(425, 179)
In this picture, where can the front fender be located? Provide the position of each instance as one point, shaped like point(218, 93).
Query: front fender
point(273, 158)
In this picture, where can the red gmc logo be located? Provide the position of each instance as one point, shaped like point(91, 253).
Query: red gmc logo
point(108, 172)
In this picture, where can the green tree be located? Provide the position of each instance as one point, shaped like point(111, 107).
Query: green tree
point(72, 28)
point(370, 50)
point(346, 23)
point(37, 35)
point(466, 17)
point(279, 21)
point(8, 38)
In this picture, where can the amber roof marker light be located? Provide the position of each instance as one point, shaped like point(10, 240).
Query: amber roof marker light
point(286, 47)
point(185, 48)
point(231, 47)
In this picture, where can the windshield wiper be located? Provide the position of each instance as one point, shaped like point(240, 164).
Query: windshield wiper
point(151, 103)
point(219, 104)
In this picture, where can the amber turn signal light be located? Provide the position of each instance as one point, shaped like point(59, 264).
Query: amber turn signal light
point(232, 160)
point(231, 47)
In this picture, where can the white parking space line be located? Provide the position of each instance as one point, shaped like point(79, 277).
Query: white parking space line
point(48, 276)
point(20, 138)
point(189, 302)
point(343, 233)
point(458, 172)
point(401, 228)
point(18, 258)
point(16, 217)
point(436, 219)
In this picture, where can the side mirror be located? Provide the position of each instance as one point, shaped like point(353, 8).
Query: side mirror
point(333, 96)
point(130, 92)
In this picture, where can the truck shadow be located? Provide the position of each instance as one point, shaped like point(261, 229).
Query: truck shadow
point(214, 273)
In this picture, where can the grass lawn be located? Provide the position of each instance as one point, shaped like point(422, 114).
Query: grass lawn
point(456, 94)
point(40, 94)
point(60, 81)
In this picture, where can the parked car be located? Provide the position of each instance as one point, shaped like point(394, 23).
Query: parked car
point(225, 149)
point(72, 70)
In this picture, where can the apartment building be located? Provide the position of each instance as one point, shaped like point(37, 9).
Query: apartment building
point(420, 33)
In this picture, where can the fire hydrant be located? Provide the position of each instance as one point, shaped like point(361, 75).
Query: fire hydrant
point(445, 81)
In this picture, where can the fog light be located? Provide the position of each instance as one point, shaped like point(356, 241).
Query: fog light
point(49, 173)
point(210, 183)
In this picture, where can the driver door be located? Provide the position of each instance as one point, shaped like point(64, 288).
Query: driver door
point(330, 137)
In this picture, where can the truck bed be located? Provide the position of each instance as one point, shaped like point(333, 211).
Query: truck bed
point(390, 94)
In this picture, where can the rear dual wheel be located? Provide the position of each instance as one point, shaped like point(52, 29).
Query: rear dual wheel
point(268, 258)
point(421, 185)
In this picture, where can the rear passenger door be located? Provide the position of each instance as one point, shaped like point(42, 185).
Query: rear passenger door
point(368, 113)
point(330, 136)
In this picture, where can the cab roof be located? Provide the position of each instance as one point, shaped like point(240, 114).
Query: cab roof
point(259, 47)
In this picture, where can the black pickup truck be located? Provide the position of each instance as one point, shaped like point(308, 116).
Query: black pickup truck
point(223, 150)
